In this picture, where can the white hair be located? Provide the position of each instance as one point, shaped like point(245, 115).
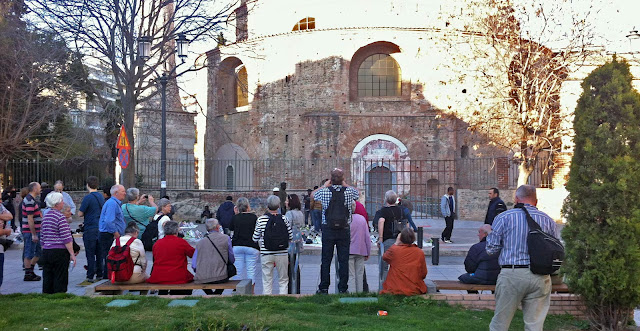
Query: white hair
point(211, 224)
point(53, 199)
point(114, 189)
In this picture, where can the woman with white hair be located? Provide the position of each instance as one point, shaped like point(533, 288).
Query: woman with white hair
point(57, 246)
point(162, 217)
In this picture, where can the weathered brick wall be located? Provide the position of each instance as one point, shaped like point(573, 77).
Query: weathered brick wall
point(560, 303)
point(473, 204)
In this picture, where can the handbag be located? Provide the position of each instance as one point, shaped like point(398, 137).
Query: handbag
point(231, 269)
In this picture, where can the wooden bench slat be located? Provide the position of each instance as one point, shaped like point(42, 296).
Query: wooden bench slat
point(107, 286)
point(457, 285)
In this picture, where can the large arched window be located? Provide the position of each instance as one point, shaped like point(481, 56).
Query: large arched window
point(379, 75)
point(308, 23)
point(375, 74)
point(242, 87)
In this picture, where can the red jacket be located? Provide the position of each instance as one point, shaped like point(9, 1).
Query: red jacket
point(407, 270)
point(170, 261)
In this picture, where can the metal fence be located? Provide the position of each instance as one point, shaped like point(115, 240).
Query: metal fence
point(73, 172)
point(419, 182)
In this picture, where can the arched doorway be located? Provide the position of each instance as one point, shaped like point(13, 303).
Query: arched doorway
point(378, 180)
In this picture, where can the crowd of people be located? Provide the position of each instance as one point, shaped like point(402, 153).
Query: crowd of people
point(239, 237)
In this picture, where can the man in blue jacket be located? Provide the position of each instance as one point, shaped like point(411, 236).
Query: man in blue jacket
point(225, 213)
point(496, 206)
point(481, 267)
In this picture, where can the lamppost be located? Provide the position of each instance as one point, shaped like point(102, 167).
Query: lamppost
point(633, 37)
point(144, 52)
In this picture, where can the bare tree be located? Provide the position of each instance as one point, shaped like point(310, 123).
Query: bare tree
point(526, 53)
point(108, 30)
point(39, 79)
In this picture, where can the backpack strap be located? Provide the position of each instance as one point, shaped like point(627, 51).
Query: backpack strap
point(101, 204)
point(118, 242)
point(129, 241)
point(532, 224)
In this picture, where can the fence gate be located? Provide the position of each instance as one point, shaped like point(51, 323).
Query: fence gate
point(378, 180)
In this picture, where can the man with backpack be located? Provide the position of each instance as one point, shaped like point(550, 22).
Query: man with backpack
point(337, 200)
point(90, 209)
point(273, 233)
point(111, 224)
point(517, 283)
point(390, 223)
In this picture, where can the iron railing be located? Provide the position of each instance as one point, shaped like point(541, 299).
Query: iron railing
point(421, 182)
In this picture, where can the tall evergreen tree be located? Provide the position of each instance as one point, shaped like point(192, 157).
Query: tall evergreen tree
point(603, 208)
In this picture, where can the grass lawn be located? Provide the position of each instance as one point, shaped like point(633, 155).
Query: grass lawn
point(62, 311)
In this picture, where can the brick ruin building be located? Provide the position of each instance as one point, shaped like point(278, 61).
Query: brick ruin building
point(306, 86)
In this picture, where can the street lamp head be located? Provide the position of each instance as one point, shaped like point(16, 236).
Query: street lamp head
point(182, 44)
point(633, 34)
point(144, 47)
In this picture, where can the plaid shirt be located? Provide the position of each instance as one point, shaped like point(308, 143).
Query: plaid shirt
point(324, 196)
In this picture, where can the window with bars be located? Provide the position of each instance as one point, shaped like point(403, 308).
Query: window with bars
point(308, 23)
point(379, 75)
point(242, 87)
point(230, 178)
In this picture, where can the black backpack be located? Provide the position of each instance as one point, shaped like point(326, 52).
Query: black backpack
point(546, 252)
point(150, 234)
point(397, 224)
point(276, 234)
point(337, 213)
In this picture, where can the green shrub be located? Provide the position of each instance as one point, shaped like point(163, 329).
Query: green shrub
point(603, 208)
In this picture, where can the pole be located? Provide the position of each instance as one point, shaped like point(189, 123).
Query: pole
point(435, 251)
point(163, 149)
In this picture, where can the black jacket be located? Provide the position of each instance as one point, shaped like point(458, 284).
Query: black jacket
point(484, 266)
point(496, 206)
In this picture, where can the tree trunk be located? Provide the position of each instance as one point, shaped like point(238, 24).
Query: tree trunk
point(524, 171)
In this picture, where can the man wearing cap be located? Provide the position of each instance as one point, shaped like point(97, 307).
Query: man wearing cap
point(282, 194)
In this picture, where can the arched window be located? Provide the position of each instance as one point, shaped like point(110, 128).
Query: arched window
point(242, 87)
point(379, 75)
point(230, 178)
point(305, 24)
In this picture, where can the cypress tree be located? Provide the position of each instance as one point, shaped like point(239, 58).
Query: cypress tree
point(603, 208)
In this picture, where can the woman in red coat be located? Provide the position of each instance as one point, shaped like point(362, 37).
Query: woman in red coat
point(170, 259)
point(407, 266)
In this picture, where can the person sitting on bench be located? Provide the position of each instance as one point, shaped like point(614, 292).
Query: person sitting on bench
point(170, 260)
point(213, 252)
point(481, 268)
point(137, 254)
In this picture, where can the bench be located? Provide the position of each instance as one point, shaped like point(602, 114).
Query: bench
point(241, 287)
point(457, 285)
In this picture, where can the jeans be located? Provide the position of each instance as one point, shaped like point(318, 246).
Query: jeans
point(31, 249)
point(316, 219)
point(246, 260)
point(106, 239)
point(91, 239)
point(55, 272)
point(385, 266)
point(341, 239)
point(446, 234)
point(307, 212)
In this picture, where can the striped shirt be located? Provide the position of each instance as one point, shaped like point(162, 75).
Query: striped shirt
point(258, 234)
point(324, 196)
point(509, 234)
point(55, 231)
point(30, 207)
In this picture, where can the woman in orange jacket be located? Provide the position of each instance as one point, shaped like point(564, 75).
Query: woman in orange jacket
point(407, 266)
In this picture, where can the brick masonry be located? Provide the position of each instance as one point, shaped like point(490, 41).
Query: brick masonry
point(560, 303)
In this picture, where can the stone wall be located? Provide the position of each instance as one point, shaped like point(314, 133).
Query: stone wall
point(473, 204)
